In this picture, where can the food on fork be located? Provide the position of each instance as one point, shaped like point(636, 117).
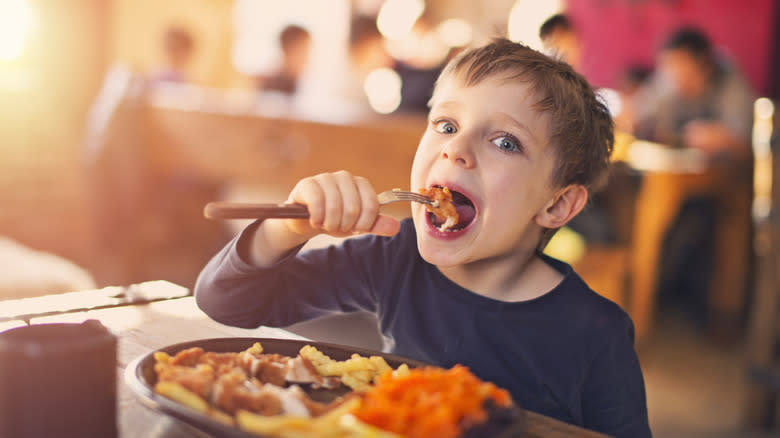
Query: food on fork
point(443, 207)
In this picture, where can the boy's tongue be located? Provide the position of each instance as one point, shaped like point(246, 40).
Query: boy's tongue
point(466, 213)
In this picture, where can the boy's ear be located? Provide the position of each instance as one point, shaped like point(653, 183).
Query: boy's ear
point(566, 204)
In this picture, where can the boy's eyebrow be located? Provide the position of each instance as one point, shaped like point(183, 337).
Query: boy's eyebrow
point(448, 105)
point(522, 127)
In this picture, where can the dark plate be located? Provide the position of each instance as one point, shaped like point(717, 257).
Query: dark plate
point(141, 378)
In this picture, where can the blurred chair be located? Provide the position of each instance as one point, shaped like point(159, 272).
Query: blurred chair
point(606, 264)
point(762, 407)
point(29, 273)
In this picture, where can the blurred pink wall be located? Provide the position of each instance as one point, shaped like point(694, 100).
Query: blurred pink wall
point(618, 33)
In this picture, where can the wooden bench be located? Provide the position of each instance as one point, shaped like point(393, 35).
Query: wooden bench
point(158, 162)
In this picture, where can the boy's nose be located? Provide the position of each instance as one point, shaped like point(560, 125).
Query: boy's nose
point(459, 152)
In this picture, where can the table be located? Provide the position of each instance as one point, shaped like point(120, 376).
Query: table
point(145, 327)
point(669, 178)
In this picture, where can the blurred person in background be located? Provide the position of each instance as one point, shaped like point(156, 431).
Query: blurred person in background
point(367, 49)
point(419, 72)
point(631, 82)
point(295, 43)
point(178, 46)
point(697, 99)
point(561, 40)
point(595, 223)
point(367, 53)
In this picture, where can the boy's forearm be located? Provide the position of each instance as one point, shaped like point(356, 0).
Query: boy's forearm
point(233, 292)
point(269, 242)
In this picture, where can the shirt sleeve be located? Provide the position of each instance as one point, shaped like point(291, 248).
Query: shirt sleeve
point(614, 400)
point(301, 286)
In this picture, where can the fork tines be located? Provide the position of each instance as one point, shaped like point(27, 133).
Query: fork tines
point(413, 197)
point(402, 195)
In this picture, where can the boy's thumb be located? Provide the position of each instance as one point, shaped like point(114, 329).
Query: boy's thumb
point(385, 226)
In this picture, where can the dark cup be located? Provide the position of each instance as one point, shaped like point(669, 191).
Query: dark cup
point(58, 380)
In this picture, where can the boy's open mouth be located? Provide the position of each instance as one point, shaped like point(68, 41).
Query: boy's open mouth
point(467, 212)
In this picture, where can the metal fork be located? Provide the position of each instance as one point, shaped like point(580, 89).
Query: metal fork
point(248, 210)
point(396, 195)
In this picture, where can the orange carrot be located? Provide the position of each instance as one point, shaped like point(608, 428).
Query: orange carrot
point(430, 402)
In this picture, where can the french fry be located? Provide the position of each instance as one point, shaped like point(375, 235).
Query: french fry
point(357, 428)
point(380, 365)
point(357, 372)
point(180, 394)
point(222, 417)
point(184, 396)
point(162, 357)
point(319, 359)
point(355, 383)
point(338, 423)
point(401, 371)
point(282, 426)
point(256, 348)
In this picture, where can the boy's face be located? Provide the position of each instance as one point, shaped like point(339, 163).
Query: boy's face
point(684, 72)
point(487, 144)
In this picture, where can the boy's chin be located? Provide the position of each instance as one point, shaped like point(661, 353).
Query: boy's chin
point(437, 252)
point(439, 257)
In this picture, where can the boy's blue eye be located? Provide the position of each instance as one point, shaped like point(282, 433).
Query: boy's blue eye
point(445, 127)
point(507, 143)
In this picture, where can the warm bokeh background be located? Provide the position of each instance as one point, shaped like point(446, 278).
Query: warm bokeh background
point(147, 225)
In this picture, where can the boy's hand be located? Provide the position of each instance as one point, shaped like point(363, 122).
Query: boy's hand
point(339, 204)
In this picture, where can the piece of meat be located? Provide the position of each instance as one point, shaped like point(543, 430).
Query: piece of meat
point(188, 357)
point(199, 379)
point(219, 360)
point(268, 368)
point(235, 391)
point(302, 370)
point(291, 399)
point(443, 207)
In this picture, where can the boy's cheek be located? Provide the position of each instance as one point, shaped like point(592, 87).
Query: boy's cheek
point(417, 173)
point(423, 160)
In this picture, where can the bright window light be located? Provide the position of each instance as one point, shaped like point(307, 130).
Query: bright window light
point(455, 32)
point(762, 151)
point(15, 23)
point(612, 99)
point(527, 16)
point(764, 108)
point(383, 89)
point(397, 17)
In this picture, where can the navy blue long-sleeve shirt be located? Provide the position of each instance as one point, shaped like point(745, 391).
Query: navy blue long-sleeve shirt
point(567, 354)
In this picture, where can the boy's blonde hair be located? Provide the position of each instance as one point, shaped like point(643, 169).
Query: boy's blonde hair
point(581, 128)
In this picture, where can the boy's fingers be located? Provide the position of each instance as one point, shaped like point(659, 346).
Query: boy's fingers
point(350, 200)
point(385, 226)
point(341, 204)
point(369, 205)
point(333, 202)
point(309, 192)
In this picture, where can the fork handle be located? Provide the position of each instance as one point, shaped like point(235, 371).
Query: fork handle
point(243, 210)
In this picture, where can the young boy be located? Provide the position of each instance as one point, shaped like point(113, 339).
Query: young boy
point(518, 138)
